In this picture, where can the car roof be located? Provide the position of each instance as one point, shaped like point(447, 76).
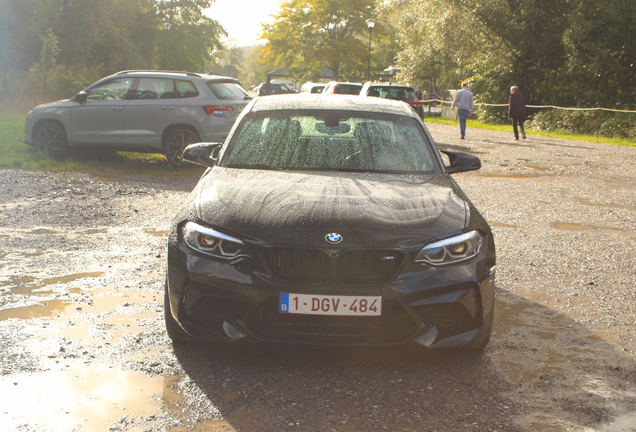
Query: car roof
point(173, 74)
point(382, 84)
point(335, 102)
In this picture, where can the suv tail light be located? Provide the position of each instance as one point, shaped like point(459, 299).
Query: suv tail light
point(415, 103)
point(217, 111)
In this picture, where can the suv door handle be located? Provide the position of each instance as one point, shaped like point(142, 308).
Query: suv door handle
point(117, 108)
point(168, 108)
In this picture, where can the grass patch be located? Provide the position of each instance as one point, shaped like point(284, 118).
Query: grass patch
point(476, 124)
point(15, 154)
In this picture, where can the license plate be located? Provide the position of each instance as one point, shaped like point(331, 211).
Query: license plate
point(308, 304)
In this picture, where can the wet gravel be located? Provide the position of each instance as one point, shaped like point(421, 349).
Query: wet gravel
point(82, 263)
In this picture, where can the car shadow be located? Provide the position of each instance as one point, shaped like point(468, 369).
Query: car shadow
point(541, 369)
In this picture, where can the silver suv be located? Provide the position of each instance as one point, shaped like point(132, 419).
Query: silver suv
point(141, 111)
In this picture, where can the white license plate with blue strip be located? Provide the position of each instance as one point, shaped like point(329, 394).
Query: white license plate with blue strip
point(313, 304)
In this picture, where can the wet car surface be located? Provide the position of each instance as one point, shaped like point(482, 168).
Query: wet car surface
point(330, 221)
point(83, 343)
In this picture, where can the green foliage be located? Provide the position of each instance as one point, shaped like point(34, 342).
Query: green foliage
point(21, 91)
point(309, 34)
point(110, 35)
point(48, 58)
point(607, 124)
point(51, 49)
point(15, 154)
point(476, 124)
point(257, 67)
point(601, 69)
point(559, 52)
point(114, 34)
point(436, 40)
point(188, 38)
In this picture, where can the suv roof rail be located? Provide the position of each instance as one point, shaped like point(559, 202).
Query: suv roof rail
point(158, 71)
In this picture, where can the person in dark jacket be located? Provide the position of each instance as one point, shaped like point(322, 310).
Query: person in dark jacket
point(517, 111)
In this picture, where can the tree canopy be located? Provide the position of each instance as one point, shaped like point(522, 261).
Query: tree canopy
point(310, 34)
point(109, 35)
point(571, 52)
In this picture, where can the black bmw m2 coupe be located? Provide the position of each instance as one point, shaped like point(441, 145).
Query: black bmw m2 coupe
point(334, 221)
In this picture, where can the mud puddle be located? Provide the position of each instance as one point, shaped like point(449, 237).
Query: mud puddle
point(96, 398)
point(30, 285)
point(610, 205)
point(562, 370)
point(581, 227)
point(549, 361)
point(509, 176)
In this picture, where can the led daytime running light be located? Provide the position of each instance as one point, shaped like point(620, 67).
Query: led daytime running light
point(452, 250)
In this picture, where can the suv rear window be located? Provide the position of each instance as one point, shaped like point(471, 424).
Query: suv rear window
point(186, 89)
point(228, 90)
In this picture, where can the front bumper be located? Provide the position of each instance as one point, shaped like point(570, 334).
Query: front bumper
point(237, 301)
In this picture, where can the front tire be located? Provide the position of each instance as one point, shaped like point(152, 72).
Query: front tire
point(50, 138)
point(175, 142)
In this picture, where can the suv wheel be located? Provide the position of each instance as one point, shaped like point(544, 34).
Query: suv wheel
point(175, 142)
point(50, 138)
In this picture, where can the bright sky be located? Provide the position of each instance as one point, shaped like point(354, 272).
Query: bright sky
point(242, 18)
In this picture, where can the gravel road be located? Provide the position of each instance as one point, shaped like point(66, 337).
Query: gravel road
point(83, 347)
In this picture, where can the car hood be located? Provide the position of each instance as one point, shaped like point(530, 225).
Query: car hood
point(278, 207)
point(60, 103)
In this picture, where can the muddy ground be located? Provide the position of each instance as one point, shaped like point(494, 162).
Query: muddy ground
point(83, 347)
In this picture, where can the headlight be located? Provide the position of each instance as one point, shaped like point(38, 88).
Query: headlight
point(451, 250)
point(211, 242)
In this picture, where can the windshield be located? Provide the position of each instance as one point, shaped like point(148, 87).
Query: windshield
point(331, 140)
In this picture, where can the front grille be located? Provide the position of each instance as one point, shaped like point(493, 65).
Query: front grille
point(298, 265)
point(350, 268)
point(367, 267)
point(394, 326)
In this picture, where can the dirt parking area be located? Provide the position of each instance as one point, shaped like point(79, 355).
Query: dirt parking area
point(83, 346)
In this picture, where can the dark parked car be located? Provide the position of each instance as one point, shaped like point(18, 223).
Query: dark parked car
point(401, 92)
point(274, 89)
point(335, 87)
point(330, 220)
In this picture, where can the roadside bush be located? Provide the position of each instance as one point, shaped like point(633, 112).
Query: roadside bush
point(493, 115)
point(22, 90)
point(602, 123)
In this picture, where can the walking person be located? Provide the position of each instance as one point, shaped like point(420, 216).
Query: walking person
point(464, 103)
point(517, 111)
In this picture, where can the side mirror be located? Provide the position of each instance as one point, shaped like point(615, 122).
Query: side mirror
point(80, 97)
point(202, 153)
point(461, 162)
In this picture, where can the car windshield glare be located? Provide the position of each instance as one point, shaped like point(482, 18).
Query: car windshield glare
point(331, 141)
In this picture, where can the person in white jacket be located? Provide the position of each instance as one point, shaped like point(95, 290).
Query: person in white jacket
point(464, 103)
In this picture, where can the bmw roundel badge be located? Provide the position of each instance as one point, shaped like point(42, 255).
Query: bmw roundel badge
point(333, 238)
